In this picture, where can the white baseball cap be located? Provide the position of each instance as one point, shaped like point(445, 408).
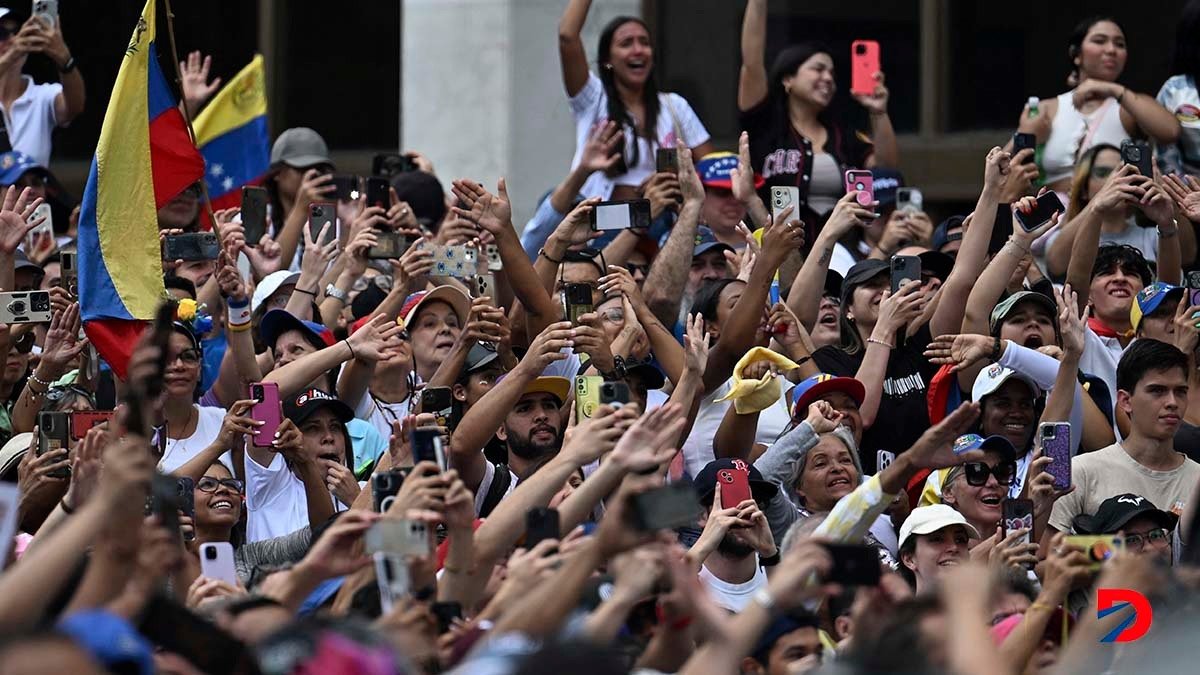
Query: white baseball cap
point(930, 519)
point(271, 283)
point(991, 378)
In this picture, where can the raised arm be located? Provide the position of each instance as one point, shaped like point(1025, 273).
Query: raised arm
point(238, 366)
point(752, 78)
point(314, 187)
point(1076, 253)
point(895, 312)
point(1176, 244)
point(571, 54)
point(804, 299)
point(70, 101)
point(668, 274)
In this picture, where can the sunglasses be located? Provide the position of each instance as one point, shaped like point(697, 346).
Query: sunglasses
point(210, 485)
point(977, 473)
point(382, 281)
point(1156, 537)
point(188, 356)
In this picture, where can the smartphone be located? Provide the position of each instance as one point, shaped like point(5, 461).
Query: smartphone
point(321, 214)
point(54, 434)
point(439, 402)
point(186, 492)
point(620, 215)
point(47, 11)
point(615, 394)
point(41, 238)
point(905, 268)
point(862, 182)
point(1047, 205)
point(10, 500)
point(1017, 513)
point(577, 301)
point(1097, 547)
point(191, 247)
point(1021, 141)
point(540, 524)
point(403, 538)
point(458, 261)
point(141, 392)
point(492, 253)
point(169, 625)
point(216, 562)
point(385, 485)
point(1002, 228)
point(783, 197)
point(82, 421)
point(909, 199)
point(1138, 154)
point(484, 285)
point(427, 446)
point(379, 192)
point(25, 307)
point(446, 613)
point(69, 265)
point(853, 565)
point(587, 395)
point(735, 487)
point(164, 501)
point(268, 410)
point(345, 187)
point(1056, 444)
point(388, 245)
point(666, 508)
point(392, 578)
point(864, 64)
point(254, 213)
point(390, 164)
point(666, 159)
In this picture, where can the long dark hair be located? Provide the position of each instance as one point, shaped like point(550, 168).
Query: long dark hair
point(785, 65)
point(1075, 42)
point(616, 108)
point(1187, 48)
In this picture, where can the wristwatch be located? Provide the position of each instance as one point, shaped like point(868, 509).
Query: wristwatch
point(68, 66)
point(336, 293)
point(1168, 234)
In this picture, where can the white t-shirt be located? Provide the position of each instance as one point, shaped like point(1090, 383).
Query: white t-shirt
point(180, 451)
point(380, 414)
point(590, 106)
point(1144, 239)
point(698, 448)
point(31, 119)
point(275, 500)
point(733, 597)
point(1100, 357)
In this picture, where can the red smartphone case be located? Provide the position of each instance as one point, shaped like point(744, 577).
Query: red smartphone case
point(864, 63)
point(735, 487)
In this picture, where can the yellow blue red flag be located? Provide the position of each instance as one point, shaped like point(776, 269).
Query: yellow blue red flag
point(144, 158)
point(232, 135)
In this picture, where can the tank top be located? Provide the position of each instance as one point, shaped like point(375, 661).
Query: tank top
point(1072, 133)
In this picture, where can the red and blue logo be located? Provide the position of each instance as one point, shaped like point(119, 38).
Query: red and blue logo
point(1132, 627)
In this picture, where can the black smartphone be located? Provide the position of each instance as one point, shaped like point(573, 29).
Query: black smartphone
point(171, 626)
point(1138, 153)
point(577, 301)
point(69, 264)
point(1047, 205)
point(389, 164)
point(853, 565)
point(379, 192)
point(1002, 229)
point(164, 501)
point(191, 246)
point(142, 391)
point(439, 402)
point(446, 613)
point(426, 443)
point(187, 503)
point(666, 508)
point(541, 524)
point(345, 187)
point(1015, 514)
point(666, 159)
point(54, 434)
point(905, 268)
point(385, 485)
point(1022, 141)
point(615, 394)
point(254, 213)
point(321, 214)
point(388, 245)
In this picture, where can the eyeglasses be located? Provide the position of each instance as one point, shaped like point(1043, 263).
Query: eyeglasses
point(210, 485)
point(977, 473)
point(188, 356)
point(1102, 171)
point(1157, 537)
point(381, 281)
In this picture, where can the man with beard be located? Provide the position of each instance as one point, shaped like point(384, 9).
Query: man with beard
point(736, 543)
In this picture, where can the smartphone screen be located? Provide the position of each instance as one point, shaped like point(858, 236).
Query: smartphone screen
point(1047, 205)
point(254, 213)
point(608, 216)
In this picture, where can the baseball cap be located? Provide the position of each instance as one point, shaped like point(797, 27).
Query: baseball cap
point(271, 283)
point(991, 378)
point(707, 241)
point(936, 262)
point(884, 183)
point(1150, 299)
point(14, 164)
point(716, 168)
point(862, 272)
point(22, 262)
point(813, 388)
point(706, 480)
point(833, 284)
point(942, 234)
point(300, 148)
point(277, 322)
point(930, 519)
point(1115, 512)
point(645, 369)
point(781, 626)
point(111, 639)
point(559, 387)
point(450, 295)
point(482, 355)
point(302, 406)
point(1005, 307)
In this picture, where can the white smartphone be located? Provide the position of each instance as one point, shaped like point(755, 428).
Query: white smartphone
point(216, 562)
point(47, 11)
point(782, 197)
point(40, 238)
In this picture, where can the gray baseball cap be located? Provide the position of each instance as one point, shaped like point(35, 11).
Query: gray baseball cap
point(300, 148)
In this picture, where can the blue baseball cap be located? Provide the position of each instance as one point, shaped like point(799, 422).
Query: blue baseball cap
point(14, 164)
point(111, 639)
point(716, 170)
point(707, 241)
point(1150, 299)
point(884, 183)
point(278, 321)
point(813, 388)
point(969, 442)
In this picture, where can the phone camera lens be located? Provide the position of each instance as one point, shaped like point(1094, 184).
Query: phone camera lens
point(210, 553)
point(860, 49)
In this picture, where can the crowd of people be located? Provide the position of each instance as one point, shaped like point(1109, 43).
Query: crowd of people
point(732, 438)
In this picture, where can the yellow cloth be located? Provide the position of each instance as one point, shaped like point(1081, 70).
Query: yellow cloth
point(751, 396)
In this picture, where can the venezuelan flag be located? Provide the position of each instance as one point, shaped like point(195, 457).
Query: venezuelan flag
point(144, 158)
point(232, 136)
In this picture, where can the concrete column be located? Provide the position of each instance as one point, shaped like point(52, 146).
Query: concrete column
point(483, 94)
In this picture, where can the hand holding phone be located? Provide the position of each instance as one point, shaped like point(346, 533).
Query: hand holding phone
point(267, 410)
point(1047, 205)
point(864, 64)
point(905, 268)
point(862, 182)
point(1017, 514)
point(1056, 444)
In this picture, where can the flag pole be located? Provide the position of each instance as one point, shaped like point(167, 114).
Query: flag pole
point(187, 116)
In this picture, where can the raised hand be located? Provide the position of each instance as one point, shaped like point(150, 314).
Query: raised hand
point(996, 168)
point(847, 214)
point(959, 350)
point(690, 186)
point(371, 340)
point(237, 424)
point(875, 102)
point(695, 345)
point(340, 481)
point(63, 344)
point(197, 88)
point(1011, 552)
point(314, 187)
point(787, 328)
point(1023, 238)
point(332, 555)
point(318, 256)
point(784, 235)
point(1123, 188)
point(741, 178)
point(265, 258)
point(651, 441)
point(490, 212)
point(399, 441)
point(822, 417)
point(600, 150)
point(416, 263)
point(548, 347)
point(233, 287)
point(14, 218)
point(663, 192)
point(899, 309)
point(935, 448)
point(1185, 192)
point(1071, 326)
point(594, 437)
point(576, 228)
point(1155, 203)
point(85, 467)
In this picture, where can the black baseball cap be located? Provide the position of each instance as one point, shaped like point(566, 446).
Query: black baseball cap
point(302, 406)
point(649, 373)
point(482, 355)
point(861, 273)
point(706, 481)
point(938, 263)
point(1116, 512)
point(833, 284)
